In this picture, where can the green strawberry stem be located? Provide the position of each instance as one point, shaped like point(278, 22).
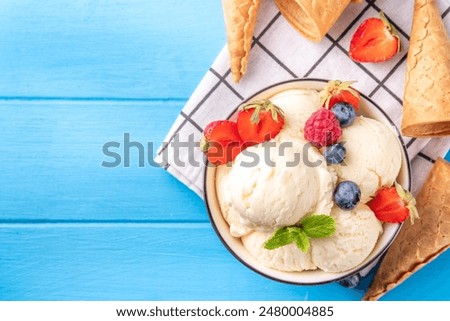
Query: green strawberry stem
point(262, 105)
point(204, 145)
point(409, 201)
point(332, 88)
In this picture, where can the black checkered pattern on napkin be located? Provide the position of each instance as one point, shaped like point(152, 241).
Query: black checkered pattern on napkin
point(280, 53)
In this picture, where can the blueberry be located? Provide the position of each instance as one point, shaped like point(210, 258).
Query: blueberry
point(351, 281)
point(345, 113)
point(335, 154)
point(347, 195)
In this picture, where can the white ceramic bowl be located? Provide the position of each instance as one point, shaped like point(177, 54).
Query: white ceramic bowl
point(367, 108)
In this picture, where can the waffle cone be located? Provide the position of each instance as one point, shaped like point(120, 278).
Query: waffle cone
point(240, 20)
point(426, 101)
point(419, 243)
point(312, 18)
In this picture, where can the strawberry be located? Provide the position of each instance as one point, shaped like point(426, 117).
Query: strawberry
point(221, 142)
point(337, 91)
point(394, 205)
point(375, 40)
point(259, 121)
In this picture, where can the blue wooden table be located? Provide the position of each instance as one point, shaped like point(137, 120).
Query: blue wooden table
point(75, 75)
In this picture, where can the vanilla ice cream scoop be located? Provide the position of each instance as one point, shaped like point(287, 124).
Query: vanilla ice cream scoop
point(297, 105)
point(356, 234)
point(229, 212)
point(285, 258)
point(373, 156)
point(274, 184)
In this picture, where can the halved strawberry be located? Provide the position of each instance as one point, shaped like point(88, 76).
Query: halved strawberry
point(337, 91)
point(394, 205)
point(259, 121)
point(375, 40)
point(221, 142)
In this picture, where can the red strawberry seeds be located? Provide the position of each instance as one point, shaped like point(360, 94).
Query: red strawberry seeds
point(259, 121)
point(221, 142)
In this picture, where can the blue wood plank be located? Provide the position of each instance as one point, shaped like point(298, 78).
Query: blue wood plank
point(127, 262)
point(120, 48)
point(156, 262)
point(130, 52)
point(52, 156)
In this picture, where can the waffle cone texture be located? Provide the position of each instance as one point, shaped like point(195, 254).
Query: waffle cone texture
point(420, 243)
point(426, 101)
point(240, 19)
point(312, 18)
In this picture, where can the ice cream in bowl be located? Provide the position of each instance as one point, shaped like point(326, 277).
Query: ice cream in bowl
point(307, 181)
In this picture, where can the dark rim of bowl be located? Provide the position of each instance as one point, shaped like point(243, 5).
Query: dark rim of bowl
point(408, 165)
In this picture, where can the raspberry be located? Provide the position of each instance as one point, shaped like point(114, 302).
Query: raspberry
point(322, 128)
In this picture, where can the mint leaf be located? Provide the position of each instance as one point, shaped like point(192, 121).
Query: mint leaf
point(302, 240)
point(283, 236)
point(287, 235)
point(318, 226)
point(312, 226)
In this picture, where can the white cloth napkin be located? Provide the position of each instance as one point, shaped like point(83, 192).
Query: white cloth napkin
point(280, 53)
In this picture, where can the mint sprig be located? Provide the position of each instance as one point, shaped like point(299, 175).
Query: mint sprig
point(318, 226)
point(302, 240)
point(283, 236)
point(312, 226)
